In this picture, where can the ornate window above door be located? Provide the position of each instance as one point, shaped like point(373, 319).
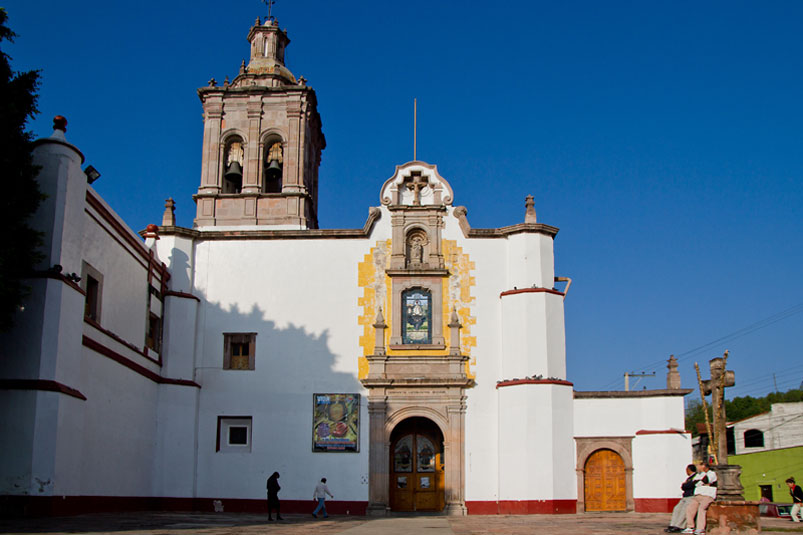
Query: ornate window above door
point(416, 316)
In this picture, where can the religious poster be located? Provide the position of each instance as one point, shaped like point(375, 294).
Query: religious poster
point(336, 422)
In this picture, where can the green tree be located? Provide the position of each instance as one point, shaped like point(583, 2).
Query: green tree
point(19, 252)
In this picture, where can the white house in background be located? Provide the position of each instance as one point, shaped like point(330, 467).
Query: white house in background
point(418, 363)
point(781, 427)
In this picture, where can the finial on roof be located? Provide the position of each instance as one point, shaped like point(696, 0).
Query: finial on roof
point(242, 67)
point(60, 123)
point(212, 82)
point(226, 82)
point(529, 214)
point(169, 216)
point(672, 376)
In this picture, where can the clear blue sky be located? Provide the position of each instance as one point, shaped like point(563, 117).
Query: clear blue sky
point(664, 140)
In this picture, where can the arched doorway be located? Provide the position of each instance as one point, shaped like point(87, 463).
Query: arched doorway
point(605, 488)
point(416, 466)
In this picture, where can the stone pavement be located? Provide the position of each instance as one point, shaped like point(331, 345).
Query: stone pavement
point(235, 524)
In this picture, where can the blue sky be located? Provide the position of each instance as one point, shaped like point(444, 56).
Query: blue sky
point(663, 139)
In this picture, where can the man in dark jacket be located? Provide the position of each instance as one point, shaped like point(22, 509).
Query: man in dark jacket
point(678, 522)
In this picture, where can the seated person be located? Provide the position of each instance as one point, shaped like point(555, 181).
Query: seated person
point(678, 521)
point(705, 492)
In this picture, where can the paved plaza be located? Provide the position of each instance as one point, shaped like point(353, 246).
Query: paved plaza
point(231, 524)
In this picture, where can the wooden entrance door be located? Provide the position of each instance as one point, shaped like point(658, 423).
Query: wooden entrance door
point(605, 482)
point(416, 467)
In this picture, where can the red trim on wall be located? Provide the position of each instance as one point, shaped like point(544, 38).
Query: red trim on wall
point(530, 291)
point(40, 384)
point(97, 205)
point(130, 364)
point(661, 432)
point(120, 340)
point(656, 505)
point(124, 233)
point(522, 507)
point(58, 277)
point(513, 382)
point(78, 505)
point(185, 295)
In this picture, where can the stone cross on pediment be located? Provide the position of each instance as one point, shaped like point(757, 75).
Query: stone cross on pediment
point(721, 378)
point(415, 183)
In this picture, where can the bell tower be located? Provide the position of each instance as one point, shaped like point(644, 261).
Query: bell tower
point(262, 142)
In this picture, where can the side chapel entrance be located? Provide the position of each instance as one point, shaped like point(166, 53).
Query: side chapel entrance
point(417, 466)
point(605, 488)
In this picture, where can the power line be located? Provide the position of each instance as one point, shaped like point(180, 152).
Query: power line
point(744, 331)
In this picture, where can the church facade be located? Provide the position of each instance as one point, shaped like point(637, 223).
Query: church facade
point(417, 363)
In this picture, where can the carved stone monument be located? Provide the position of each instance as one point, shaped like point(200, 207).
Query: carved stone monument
point(730, 487)
point(730, 514)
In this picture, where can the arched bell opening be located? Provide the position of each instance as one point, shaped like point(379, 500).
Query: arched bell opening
point(417, 476)
point(273, 165)
point(233, 160)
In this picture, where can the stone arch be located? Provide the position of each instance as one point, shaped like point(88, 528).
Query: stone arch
point(231, 132)
point(622, 446)
point(416, 412)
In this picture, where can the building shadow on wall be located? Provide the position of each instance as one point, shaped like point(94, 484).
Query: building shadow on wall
point(291, 365)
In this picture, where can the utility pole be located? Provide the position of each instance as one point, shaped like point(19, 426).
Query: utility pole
point(634, 374)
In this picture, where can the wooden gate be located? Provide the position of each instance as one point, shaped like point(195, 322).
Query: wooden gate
point(605, 482)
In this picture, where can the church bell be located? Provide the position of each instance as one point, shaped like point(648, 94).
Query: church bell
point(235, 171)
point(274, 166)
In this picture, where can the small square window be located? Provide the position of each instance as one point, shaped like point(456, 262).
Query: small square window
point(234, 434)
point(238, 435)
point(239, 350)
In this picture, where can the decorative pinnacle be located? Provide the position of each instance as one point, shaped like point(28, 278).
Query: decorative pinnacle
point(380, 319)
point(454, 319)
point(169, 216)
point(529, 213)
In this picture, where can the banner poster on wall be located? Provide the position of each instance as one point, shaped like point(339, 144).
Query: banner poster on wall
point(336, 422)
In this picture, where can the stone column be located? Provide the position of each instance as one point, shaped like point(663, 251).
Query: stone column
point(252, 157)
point(211, 157)
point(454, 452)
point(378, 467)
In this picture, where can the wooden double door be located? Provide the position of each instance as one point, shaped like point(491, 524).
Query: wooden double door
point(605, 485)
point(416, 466)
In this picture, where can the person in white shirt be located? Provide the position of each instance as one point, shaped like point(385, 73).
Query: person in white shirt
point(705, 492)
point(320, 492)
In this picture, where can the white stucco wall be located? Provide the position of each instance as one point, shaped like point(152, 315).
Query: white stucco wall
point(782, 427)
point(659, 459)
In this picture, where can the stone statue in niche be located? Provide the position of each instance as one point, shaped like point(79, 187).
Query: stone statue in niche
point(416, 244)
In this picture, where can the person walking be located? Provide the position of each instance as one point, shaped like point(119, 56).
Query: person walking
point(273, 496)
point(319, 494)
point(678, 521)
point(705, 492)
point(797, 500)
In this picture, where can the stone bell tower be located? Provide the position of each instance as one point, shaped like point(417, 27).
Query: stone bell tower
point(262, 142)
